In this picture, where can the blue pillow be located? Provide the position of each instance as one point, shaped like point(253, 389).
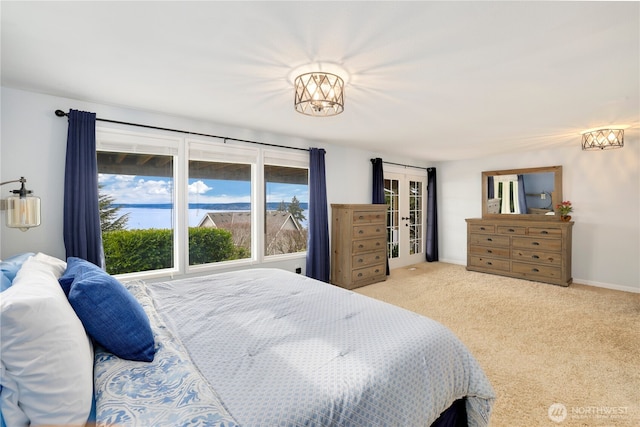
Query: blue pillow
point(111, 315)
point(5, 283)
point(10, 266)
point(74, 265)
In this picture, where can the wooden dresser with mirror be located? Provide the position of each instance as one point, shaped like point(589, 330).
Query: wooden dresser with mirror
point(520, 235)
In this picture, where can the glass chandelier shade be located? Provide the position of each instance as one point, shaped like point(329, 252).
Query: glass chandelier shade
point(602, 139)
point(319, 94)
point(23, 209)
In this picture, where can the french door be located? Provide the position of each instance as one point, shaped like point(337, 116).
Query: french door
point(405, 196)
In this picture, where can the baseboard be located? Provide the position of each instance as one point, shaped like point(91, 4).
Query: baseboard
point(612, 286)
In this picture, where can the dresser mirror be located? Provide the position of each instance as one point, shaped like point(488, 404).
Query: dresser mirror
point(530, 193)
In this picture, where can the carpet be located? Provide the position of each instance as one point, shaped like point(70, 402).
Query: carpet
point(556, 356)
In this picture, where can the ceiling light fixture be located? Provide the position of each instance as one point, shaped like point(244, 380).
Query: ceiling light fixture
point(319, 94)
point(602, 139)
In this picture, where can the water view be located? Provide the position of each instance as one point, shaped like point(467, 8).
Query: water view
point(142, 216)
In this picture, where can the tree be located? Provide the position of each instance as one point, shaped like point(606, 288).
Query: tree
point(296, 210)
point(109, 219)
point(282, 207)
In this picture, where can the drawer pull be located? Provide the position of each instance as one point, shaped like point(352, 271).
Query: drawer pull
point(377, 243)
point(360, 260)
point(482, 228)
point(535, 257)
point(359, 274)
point(361, 217)
point(377, 257)
point(535, 270)
point(377, 230)
point(360, 231)
point(489, 251)
point(377, 270)
point(489, 263)
point(489, 239)
point(511, 230)
point(535, 243)
point(360, 246)
point(544, 232)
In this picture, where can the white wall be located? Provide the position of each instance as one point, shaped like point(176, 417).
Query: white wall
point(34, 141)
point(603, 186)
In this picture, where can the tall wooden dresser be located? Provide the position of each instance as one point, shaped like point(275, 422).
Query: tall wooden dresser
point(526, 249)
point(358, 245)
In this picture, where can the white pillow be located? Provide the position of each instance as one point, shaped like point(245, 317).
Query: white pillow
point(45, 352)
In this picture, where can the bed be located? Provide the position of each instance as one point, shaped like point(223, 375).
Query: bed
point(266, 347)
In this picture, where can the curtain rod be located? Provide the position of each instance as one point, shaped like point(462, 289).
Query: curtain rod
point(407, 166)
point(61, 113)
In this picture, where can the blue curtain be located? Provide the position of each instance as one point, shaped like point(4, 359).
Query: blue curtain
point(318, 244)
point(522, 199)
point(432, 216)
point(81, 224)
point(377, 197)
point(490, 188)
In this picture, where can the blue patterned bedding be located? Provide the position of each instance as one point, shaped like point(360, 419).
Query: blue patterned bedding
point(169, 391)
point(273, 348)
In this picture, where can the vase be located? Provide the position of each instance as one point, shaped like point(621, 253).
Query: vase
point(565, 218)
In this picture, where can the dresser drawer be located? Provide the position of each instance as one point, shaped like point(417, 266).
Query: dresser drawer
point(544, 258)
point(368, 273)
point(538, 244)
point(536, 271)
point(482, 228)
point(368, 217)
point(544, 232)
point(362, 231)
point(512, 230)
point(489, 240)
point(371, 258)
point(366, 245)
point(490, 251)
point(490, 263)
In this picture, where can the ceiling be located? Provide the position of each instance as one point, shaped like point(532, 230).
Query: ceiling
point(426, 80)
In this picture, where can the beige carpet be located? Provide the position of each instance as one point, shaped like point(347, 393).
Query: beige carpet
point(539, 344)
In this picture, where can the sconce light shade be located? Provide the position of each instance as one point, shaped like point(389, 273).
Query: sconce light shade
point(23, 212)
point(319, 94)
point(23, 209)
point(602, 139)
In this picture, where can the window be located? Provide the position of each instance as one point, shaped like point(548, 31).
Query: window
point(286, 209)
point(172, 204)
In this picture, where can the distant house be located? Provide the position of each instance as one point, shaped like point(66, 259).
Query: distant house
point(284, 235)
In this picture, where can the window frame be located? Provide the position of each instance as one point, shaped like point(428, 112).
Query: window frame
point(212, 149)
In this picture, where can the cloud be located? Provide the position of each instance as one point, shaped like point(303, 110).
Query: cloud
point(199, 187)
point(133, 189)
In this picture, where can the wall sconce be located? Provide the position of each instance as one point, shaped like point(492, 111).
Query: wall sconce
point(602, 139)
point(23, 210)
point(319, 94)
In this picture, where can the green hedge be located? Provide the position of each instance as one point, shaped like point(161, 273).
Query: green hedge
point(128, 251)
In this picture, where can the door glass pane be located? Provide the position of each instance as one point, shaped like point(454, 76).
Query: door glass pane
point(137, 212)
point(286, 209)
point(219, 211)
point(415, 217)
point(393, 218)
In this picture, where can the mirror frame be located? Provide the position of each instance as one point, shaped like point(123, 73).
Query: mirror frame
point(557, 193)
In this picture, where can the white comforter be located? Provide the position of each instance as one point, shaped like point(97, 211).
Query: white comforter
point(281, 349)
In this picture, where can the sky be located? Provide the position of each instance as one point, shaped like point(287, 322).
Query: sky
point(129, 189)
